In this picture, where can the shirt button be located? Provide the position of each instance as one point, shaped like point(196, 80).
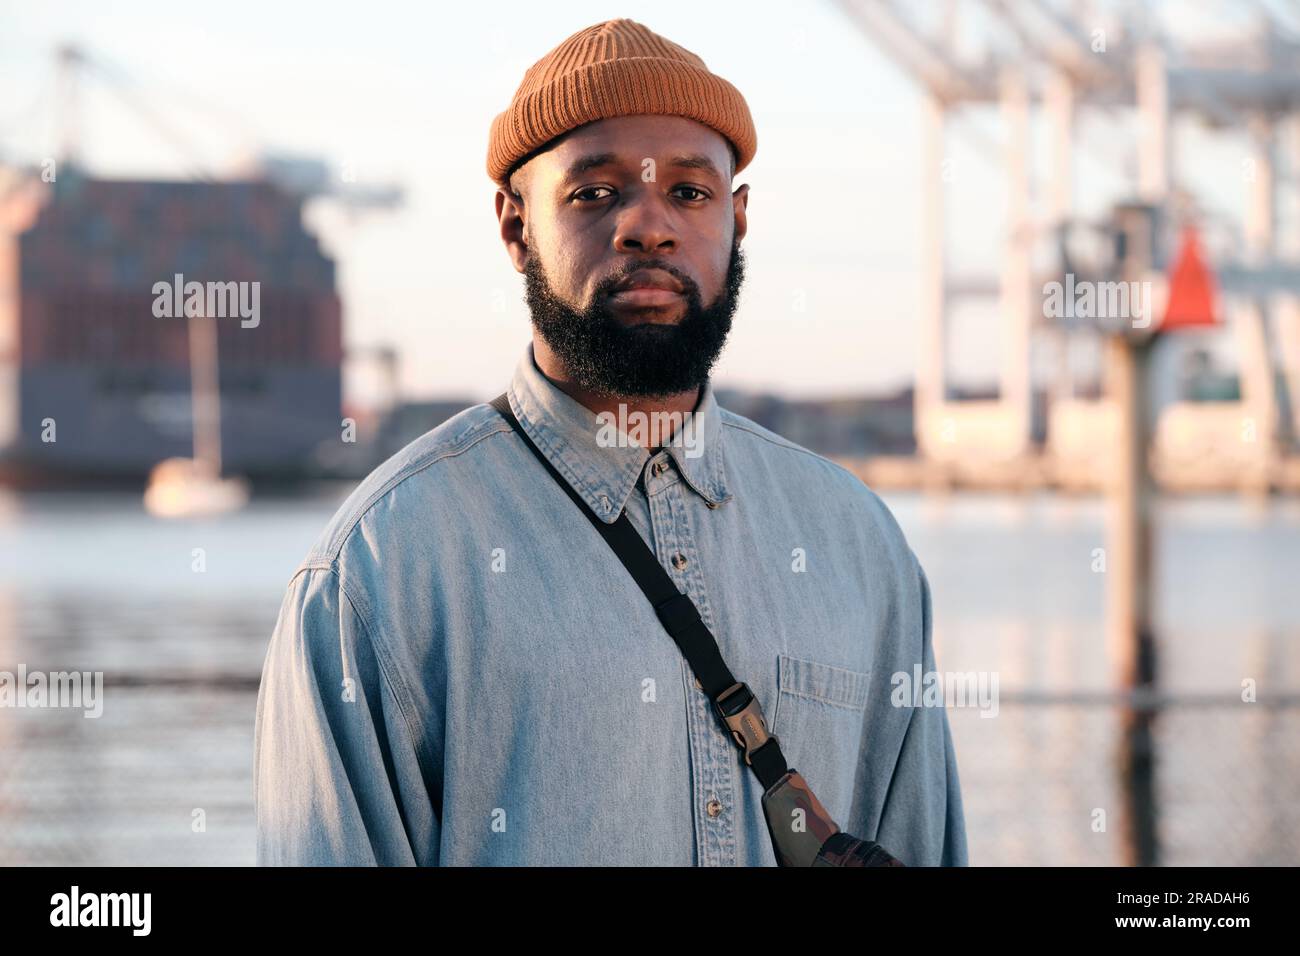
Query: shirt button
point(712, 505)
point(658, 468)
point(714, 807)
point(679, 561)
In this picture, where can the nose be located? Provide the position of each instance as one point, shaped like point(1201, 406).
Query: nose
point(645, 225)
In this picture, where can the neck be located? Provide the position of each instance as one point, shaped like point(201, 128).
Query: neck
point(550, 366)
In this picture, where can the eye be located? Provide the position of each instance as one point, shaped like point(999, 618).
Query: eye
point(584, 194)
point(701, 195)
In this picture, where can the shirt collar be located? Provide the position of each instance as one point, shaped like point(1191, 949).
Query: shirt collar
point(604, 473)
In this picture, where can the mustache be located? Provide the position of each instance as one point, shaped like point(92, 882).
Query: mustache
point(606, 285)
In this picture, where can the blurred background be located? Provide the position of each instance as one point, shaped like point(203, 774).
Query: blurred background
point(1030, 267)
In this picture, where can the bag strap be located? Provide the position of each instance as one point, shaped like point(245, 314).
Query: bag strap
point(733, 701)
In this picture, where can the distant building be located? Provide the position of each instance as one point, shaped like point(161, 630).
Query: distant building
point(382, 435)
point(84, 350)
point(851, 427)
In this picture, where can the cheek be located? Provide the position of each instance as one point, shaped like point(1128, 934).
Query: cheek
point(717, 239)
point(567, 271)
point(569, 275)
point(575, 263)
point(717, 276)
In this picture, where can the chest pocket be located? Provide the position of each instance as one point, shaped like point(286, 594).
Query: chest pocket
point(819, 716)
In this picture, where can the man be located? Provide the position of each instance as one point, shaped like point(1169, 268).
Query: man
point(463, 673)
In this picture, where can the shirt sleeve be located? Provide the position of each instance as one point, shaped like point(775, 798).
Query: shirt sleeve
point(921, 821)
point(336, 771)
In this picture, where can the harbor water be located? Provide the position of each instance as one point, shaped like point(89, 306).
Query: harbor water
point(177, 616)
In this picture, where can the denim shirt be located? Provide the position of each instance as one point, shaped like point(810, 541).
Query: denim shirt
point(462, 672)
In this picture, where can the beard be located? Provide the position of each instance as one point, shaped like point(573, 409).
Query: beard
point(602, 355)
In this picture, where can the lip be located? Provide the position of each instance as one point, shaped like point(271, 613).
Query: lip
point(647, 288)
point(645, 296)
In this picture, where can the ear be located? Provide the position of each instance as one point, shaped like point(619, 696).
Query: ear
point(740, 207)
point(510, 217)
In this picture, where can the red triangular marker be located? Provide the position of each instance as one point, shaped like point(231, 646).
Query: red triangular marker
point(1191, 288)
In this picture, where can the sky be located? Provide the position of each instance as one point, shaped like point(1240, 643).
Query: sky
point(405, 92)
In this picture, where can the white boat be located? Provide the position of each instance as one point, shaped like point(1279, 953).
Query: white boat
point(193, 487)
point(186, 487)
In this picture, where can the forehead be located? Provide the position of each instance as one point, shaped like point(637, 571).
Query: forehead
point(630, 140)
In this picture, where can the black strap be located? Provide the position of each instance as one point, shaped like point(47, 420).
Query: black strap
point(677, 612)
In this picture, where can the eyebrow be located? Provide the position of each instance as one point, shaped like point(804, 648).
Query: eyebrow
point(595, 160)
point(696, 161)
point(591, 161)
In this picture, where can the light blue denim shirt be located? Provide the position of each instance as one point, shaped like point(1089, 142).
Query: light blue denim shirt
point(463, 673)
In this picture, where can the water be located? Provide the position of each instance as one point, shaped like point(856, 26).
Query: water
point(1015, 591)
point(178, 614)
point(185, 609)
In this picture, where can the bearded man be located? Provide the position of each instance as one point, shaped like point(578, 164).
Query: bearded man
point(466, 669)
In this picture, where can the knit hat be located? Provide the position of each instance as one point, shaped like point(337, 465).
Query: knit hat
point(616, 68)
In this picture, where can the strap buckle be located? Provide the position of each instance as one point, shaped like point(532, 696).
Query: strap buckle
point(740, 711)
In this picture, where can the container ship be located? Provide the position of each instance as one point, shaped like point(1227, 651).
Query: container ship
point(95, 377)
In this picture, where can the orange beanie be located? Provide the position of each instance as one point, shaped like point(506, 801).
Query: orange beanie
point(615, 68)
